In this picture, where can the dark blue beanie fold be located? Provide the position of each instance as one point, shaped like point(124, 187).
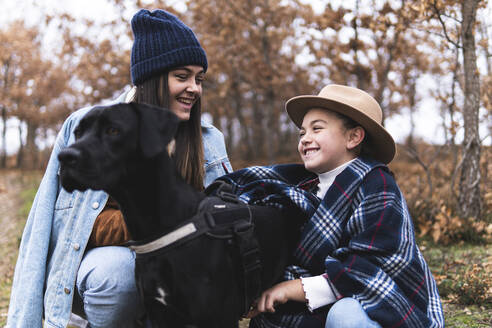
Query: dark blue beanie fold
point(161, 43)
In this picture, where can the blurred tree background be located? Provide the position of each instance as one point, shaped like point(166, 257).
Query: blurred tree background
point(262, 52)
point(417, 58)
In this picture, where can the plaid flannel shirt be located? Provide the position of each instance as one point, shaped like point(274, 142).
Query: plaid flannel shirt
point(360, 236)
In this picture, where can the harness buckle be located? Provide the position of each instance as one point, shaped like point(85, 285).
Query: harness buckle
point(250, 252)
point(251, 260)
point(248, 268)
point(243, 228)
point(228, 197)
point(223, 190)
point(209, 218)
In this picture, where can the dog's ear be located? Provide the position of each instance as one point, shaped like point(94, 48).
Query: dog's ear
point(157, 127)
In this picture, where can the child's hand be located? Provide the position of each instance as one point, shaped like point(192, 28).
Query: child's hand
point(279, 294)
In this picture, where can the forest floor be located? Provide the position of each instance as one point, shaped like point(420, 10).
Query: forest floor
point(17, 191)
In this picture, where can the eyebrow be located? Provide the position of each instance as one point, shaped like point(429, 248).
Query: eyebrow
point(318, 121)
point(314, 122)
point(188, 70)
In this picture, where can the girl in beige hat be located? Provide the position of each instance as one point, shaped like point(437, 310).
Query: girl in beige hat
point(357, 263)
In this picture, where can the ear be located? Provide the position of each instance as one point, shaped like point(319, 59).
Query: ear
point(355, 137)
point(157, 127)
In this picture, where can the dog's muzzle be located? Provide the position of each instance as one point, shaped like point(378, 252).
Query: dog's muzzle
point(69, 156)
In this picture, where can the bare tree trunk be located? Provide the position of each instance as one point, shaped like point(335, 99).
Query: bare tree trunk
point(451, 141)
point(411, 147)
point(3, 159)
point(469, 200)
point(487, 83)
point(20, 152)
point(362, 74)
point(273, 131)
point(259, 127)
point(5, 69)
point(31, 158)
point(383, 76)
point(412, 94)
point(245, 139)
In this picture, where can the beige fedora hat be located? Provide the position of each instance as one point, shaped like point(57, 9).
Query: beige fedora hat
point(353, 103)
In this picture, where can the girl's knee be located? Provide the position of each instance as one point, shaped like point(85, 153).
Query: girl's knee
point(106, 284)
point(107, 270)
point(348, 313)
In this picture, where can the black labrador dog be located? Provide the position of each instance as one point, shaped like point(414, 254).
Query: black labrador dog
point(228, 255)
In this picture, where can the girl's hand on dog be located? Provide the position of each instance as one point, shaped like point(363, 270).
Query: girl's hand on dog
point(290, 290)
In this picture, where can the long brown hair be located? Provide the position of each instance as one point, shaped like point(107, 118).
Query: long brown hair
point(188, 154)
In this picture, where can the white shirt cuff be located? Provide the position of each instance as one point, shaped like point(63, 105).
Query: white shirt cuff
point(319, 292)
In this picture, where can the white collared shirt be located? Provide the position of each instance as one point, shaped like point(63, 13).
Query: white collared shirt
point(326, 179)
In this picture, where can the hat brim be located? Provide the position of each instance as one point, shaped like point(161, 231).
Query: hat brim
point(382, 144)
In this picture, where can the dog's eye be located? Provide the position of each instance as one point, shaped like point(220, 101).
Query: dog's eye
point(112, 131)
point(77, 133)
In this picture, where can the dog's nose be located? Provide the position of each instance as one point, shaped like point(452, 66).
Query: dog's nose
point(69, 156)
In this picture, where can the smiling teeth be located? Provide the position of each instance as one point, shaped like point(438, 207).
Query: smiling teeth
point(186, 101)
point(308, 152)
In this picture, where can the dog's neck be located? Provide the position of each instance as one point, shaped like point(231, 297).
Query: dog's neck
point(168, 200)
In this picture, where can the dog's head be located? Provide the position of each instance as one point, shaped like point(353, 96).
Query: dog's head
point(111, 140)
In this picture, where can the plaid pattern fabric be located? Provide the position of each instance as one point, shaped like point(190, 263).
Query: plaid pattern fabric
point(360, 236)
point(277, 186)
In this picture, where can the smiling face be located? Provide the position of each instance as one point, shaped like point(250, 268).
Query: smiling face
point(324, 142)
point(185, 88)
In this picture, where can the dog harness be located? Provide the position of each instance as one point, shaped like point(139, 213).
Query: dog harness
point(223, 217)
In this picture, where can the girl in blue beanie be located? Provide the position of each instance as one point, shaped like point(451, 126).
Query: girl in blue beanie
point(70, 258)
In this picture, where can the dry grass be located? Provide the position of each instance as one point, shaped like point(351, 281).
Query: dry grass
point(17, 189)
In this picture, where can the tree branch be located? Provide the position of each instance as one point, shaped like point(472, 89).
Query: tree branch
point(413, 153)
point(439, 17)
point(452, 18)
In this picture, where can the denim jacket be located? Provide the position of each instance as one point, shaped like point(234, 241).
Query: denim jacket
point(58, 229)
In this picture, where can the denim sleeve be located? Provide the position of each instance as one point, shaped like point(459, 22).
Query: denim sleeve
point(27, 293)
point(26, 299)
point(216, 160)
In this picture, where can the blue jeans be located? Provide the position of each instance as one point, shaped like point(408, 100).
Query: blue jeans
point(348, 313)
point(107, 294)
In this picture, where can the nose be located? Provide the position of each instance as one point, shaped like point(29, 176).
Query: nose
point(193, 87)
point(305, 139)
point(69, 156)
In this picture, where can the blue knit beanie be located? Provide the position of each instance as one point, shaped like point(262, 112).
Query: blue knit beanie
point(162, 42)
